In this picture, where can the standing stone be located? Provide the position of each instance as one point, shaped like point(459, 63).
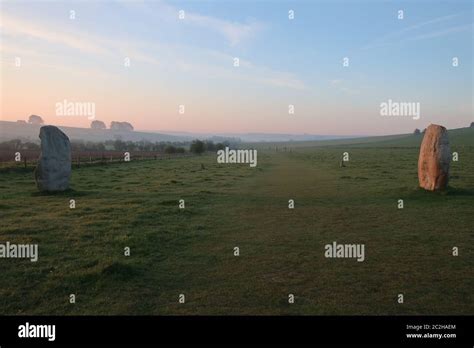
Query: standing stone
point(54, 165)
point(434, 160)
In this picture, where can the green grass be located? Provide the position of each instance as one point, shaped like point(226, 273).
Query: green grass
point(190, 251)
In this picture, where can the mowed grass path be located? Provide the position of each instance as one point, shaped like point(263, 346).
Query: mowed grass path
point(190, 251)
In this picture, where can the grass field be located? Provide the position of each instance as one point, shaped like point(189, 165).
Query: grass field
point(190, 251)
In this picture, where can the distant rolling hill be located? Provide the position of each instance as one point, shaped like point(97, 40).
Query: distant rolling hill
point(14, 130)
point(30, 132)
point(457, 137)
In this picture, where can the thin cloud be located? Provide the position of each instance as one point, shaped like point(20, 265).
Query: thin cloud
point(210, 63)
point(234, 32)
point(220, 65)
point(397, 36)
point(16, 27)
point(84, 42)
point(441, 32)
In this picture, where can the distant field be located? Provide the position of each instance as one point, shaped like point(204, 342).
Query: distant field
point(190, 251)
point(457, 137)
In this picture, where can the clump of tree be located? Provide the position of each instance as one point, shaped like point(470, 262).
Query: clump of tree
point(209, 145)
point(18, 144)
point(143, 145)
point(198, 146)
point(170, 149)
point(178, 147)
point(121, 145)
point(221, 146)
point(80, 145)
point(35, 119)
point(472, 124)
point(98, 125)
point(124, 126)
point(417, 132)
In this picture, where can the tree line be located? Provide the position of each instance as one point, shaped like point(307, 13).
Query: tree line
point(196, 146)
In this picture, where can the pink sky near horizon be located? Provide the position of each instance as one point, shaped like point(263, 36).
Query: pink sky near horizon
point(158, 110)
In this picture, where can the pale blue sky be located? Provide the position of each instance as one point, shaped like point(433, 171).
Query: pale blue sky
point(283, 62)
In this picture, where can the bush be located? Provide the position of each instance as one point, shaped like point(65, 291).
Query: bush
point(122, 126)
point(197, 147)
point(98, 125)
point(209, 146)
point(35, 119)
point(170, 149)
point(17, 144)
point(120, 145)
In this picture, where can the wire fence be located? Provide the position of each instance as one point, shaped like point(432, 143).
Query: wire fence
point(28, 159)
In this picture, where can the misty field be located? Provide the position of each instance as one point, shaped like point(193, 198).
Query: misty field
point(191, 251)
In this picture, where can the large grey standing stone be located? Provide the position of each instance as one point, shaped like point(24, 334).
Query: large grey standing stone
point(434, 160)
point(54, 165)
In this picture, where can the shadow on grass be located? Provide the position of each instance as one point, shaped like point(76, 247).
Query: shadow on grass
point(17, 169)
point(419, 193)
point(66, 193)
point(119, 271)
point(456, 191)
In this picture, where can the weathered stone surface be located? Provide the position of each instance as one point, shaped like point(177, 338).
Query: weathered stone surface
point(54, 165)
point(434, 160)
